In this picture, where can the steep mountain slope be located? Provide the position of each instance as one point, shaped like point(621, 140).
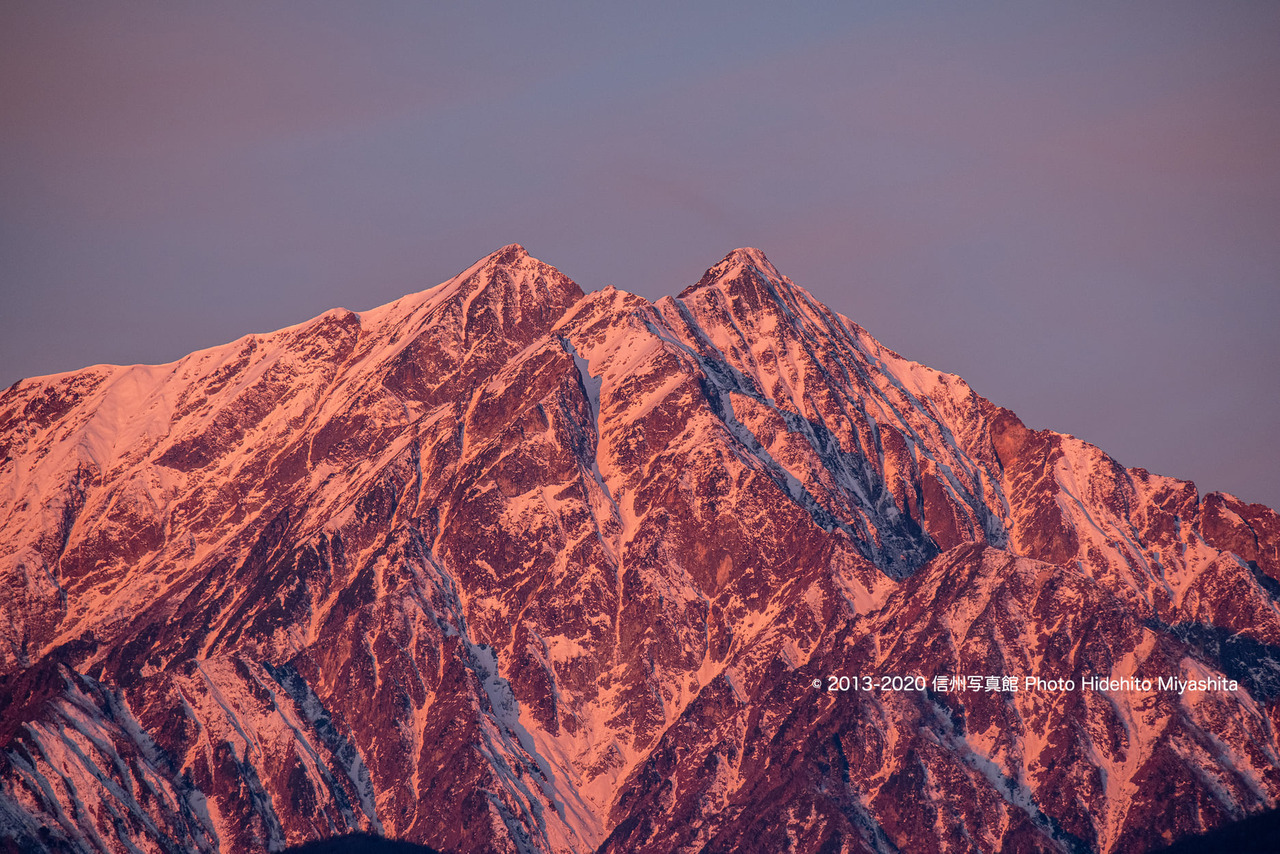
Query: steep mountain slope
point(503, 566)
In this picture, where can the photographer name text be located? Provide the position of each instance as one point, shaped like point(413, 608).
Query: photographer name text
point(949, 684)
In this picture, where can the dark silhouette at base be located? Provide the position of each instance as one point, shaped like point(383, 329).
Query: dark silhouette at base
point(360, 843)
point(1257, 834)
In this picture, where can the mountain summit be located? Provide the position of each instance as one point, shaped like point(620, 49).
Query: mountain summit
point(739, 262)
point(503, 566)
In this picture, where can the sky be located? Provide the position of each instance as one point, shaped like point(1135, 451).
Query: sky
point(1076, 207)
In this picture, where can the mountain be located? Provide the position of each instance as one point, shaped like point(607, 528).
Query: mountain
point(506, 566)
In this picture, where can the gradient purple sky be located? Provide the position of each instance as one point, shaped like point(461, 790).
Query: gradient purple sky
point(1076, 207)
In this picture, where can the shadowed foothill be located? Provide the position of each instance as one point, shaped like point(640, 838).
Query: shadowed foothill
point(1257, 834)
point(360, 843)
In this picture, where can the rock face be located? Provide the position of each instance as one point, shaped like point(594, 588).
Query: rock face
point(503, 566)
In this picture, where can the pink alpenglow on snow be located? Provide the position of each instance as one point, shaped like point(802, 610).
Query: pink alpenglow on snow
point(507, 566)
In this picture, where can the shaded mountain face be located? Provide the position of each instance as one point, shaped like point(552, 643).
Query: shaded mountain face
point(503, 566)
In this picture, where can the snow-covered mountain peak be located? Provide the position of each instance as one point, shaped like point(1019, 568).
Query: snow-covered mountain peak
point(507, 264)
point(746, 261)
point(566, 569)
point(506, 295)
point(514, 261)
point(747, 274)
point(512, 253)
point(750, 256)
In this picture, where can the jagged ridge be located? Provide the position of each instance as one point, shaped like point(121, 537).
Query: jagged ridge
point(505, 566)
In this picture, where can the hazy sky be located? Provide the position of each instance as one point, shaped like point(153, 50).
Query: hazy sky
point(1075, 207)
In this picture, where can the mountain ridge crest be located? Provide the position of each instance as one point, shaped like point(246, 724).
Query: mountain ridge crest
point(565, 567)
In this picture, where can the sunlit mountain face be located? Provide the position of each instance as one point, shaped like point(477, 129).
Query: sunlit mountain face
point(506, 566)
